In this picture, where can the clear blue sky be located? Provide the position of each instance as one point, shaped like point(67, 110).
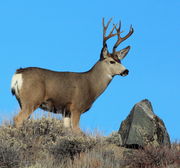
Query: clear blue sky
point(67, 36)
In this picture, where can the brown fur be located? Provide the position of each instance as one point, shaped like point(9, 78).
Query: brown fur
point(74, 92)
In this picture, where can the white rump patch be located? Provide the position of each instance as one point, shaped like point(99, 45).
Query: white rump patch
point(67, 122)
point(16, 83)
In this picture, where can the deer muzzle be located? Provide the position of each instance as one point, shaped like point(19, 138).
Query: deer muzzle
point(125, 72)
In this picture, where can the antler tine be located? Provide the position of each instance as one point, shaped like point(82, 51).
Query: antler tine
point(105, 38)
point(105, 27)
point(118, 29)
point(121, 39)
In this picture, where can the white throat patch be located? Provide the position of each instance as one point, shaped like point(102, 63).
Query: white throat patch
point(109, 76)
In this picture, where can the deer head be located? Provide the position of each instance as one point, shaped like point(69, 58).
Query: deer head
point(114, 59)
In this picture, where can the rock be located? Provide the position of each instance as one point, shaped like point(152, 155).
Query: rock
point(143, 127)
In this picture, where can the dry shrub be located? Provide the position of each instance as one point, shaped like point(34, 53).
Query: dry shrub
point(46, 128)
point(69, 146)
point(40, 140)
point(10, 152)
point(44, 143)
point(154, 157)
point(114, 138)
point(102, 156)
point(30, 142)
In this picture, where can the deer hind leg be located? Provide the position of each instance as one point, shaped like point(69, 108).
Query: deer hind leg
point(24, 114)
point(30, 100)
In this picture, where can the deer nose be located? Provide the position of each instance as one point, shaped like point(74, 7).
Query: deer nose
point(125, 72)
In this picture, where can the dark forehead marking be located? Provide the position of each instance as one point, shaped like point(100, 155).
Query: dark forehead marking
point(115, 58)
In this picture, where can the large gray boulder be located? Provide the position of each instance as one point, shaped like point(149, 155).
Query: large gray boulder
point(143, 127)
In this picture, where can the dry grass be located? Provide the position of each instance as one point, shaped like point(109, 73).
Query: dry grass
point(155, 157)
point(44, 143)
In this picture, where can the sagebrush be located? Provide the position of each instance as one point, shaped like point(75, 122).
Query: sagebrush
point(44, 143)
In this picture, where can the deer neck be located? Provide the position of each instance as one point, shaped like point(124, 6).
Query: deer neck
point(99, 79)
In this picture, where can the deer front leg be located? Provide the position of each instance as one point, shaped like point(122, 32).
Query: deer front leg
point(66, 118)
point(75, 117)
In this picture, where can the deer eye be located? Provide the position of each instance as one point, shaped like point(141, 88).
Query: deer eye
point(112, 62)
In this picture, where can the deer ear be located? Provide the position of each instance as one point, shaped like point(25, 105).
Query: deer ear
point(122, 53)
point(104, 52)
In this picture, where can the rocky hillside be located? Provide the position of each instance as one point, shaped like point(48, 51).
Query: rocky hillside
point(44, 143)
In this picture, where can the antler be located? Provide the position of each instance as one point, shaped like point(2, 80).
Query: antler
point(121, 39)
point(105, 38)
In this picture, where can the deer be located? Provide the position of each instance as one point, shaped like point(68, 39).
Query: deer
point(69, 93)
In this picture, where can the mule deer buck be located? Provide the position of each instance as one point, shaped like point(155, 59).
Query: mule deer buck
point(69, 93)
